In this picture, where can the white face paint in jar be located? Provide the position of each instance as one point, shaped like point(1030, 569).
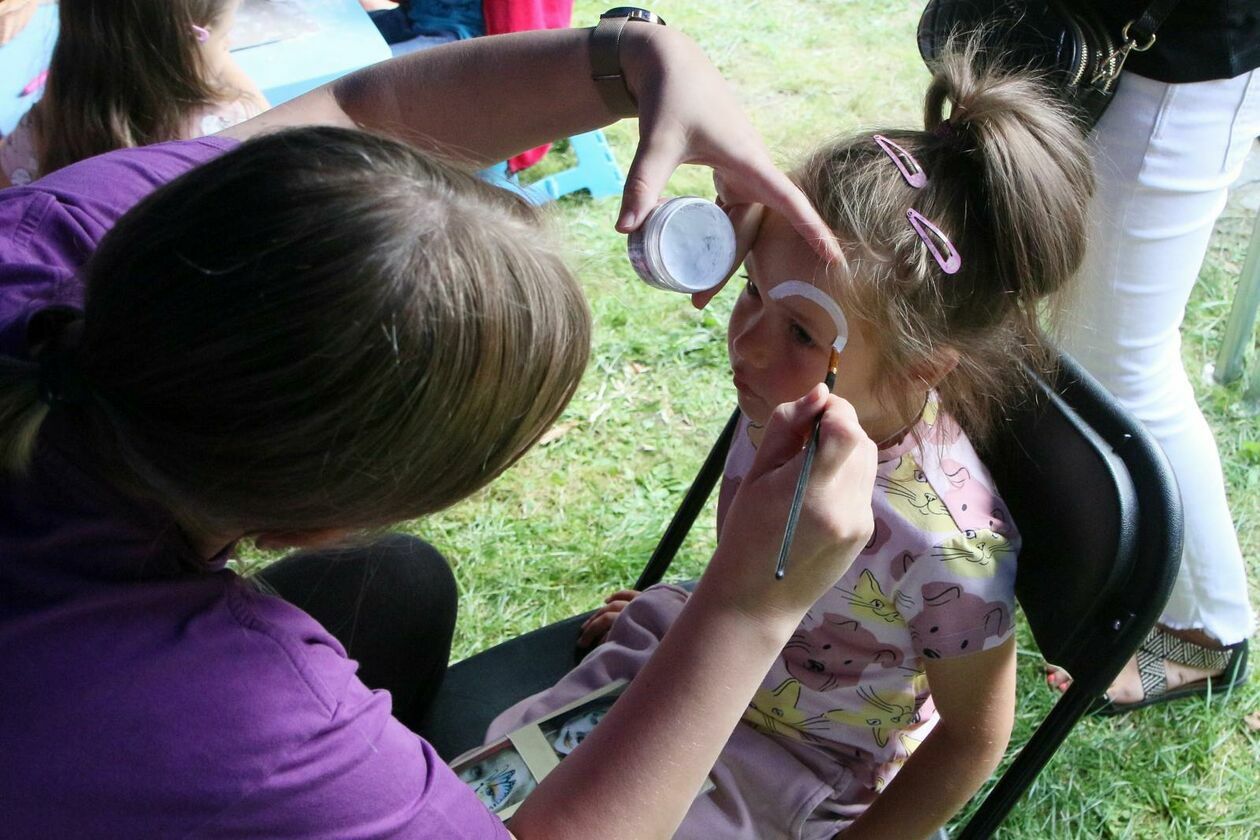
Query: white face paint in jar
point(685, 245)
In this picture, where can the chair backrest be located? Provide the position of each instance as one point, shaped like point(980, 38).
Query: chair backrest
point(1100, 516)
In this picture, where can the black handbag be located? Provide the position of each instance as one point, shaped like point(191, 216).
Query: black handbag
point(1068, 43)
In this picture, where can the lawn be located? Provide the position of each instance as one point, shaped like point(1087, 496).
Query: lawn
point(578, 516)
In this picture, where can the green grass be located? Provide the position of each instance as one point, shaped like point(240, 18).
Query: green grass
point(579, 516)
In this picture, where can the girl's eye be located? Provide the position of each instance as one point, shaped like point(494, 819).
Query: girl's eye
point(750, 287)
point(800, 336)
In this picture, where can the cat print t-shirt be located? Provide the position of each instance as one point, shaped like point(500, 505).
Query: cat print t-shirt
point(935, 581)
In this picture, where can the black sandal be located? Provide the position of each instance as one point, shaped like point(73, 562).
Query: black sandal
point(1159, 647)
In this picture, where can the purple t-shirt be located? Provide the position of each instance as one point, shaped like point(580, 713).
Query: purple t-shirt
point(144, 691)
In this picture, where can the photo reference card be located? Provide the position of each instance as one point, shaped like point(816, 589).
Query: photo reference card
point(503, 773)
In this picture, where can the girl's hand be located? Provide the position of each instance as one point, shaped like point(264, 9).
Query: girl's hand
point(835, 522)
point(688, 114)
point(596, 628)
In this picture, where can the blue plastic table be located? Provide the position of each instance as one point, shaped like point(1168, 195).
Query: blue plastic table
point(346, 40)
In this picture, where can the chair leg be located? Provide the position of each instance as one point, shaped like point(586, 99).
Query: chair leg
point(1242, 317)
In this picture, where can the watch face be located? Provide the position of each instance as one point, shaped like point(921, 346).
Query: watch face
point(633, 13)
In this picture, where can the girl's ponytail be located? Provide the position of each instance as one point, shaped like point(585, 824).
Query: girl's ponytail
point(1035, 179)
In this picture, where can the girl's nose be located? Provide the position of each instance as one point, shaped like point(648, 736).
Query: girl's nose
point(749, 342)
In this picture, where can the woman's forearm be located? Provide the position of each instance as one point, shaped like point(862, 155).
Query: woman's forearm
point(482, 99)
point(637, 773)
point(479, 100)
point(486, 99)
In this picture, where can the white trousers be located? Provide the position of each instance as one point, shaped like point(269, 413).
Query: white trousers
point(1165, 156)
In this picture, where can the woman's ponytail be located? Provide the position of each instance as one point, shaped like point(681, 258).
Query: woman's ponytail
point(22, 412)
point(30, 388)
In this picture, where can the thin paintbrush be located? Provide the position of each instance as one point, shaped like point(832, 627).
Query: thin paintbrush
point(794, 513)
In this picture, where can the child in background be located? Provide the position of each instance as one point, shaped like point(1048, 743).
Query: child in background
point(130, 73)
point(894, 700)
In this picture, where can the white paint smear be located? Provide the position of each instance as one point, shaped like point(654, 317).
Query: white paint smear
point(798, 288)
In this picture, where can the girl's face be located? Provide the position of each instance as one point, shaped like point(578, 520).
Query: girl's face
point(779, 346)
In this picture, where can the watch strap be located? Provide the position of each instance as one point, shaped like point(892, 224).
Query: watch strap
point(605, 54)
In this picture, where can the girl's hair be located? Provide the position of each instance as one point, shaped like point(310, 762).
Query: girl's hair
point(123, 73)
point(1009, 182)
point(320, 329)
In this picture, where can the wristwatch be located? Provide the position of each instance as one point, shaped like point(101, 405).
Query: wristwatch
point(606, 56)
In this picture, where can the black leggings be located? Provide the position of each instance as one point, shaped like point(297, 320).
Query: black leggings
point(390, 602)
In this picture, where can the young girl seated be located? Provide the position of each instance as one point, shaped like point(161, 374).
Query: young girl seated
point(894, 700)
point(131, 74)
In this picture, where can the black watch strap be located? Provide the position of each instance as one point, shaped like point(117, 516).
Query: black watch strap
point(605, 49)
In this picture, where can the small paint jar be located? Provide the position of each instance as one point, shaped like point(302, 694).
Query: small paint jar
point(685, 245)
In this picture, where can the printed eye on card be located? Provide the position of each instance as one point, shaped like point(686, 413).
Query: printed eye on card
point(503, 773)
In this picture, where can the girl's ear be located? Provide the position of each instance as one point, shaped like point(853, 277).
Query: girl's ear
point(932, 370)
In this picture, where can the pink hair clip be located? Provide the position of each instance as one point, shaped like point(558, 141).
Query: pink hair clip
point(903, 160)
point(200, 33)
point(950, 260)
point(941, 249)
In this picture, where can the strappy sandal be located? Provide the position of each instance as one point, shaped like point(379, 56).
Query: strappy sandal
point(1159, 647)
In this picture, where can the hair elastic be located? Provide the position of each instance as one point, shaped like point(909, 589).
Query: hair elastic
point(200, 33)
point(949, 261)
point(904, 161)
point(60, 380)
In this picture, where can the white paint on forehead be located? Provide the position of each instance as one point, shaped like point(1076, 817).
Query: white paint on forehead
point(798, 288)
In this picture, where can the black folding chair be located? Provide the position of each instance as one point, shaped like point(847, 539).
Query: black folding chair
point(1100, 517)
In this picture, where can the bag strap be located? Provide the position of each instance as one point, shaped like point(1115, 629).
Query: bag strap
point(1141, 30)
point(1138, 35)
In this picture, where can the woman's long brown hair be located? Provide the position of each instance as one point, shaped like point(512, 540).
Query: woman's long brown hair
point(123, 73)
point(320, 329)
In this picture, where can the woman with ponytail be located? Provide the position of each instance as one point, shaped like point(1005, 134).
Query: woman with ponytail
point(294, 339)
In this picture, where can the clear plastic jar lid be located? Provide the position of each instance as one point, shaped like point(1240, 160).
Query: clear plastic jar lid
point(685, 245)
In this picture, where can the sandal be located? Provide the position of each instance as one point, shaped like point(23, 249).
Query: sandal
point(1159, 647)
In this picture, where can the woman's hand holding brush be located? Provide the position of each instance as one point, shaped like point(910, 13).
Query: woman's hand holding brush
point(835, 517)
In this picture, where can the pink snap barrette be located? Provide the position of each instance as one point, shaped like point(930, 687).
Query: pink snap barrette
point(946, 256)
point(200, 33)
point(941, 249)
point(903, 160)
